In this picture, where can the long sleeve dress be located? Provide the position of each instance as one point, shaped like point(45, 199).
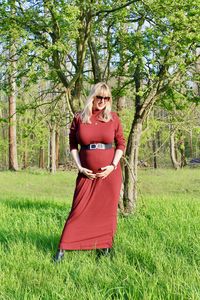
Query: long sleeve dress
point(92, 221)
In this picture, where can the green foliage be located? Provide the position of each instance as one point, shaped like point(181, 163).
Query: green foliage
point(162, 40)
point(149, 42)
point(126, 119)
point(39, 31)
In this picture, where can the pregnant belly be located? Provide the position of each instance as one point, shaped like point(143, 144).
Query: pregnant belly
point(96, 159)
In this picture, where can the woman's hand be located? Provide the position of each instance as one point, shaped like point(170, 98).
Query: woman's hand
point(87, 173)
point(106, 171)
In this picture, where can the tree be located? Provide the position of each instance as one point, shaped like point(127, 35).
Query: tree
point(12, 91)
point(160, 51)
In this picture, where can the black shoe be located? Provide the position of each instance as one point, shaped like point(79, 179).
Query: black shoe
point(59, 256)
point(104, 252)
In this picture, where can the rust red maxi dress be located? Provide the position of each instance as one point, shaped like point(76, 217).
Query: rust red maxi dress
point(92, 221)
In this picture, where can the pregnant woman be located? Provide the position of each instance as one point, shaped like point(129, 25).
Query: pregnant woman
point(92, 221)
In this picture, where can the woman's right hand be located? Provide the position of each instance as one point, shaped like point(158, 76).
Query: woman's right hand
point(87, 173)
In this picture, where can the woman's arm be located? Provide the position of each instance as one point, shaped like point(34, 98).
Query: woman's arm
point(76, 158)
point(117, 157)
point(120, 147)
point(73, 143)
point(85, 171)
point(108, 169)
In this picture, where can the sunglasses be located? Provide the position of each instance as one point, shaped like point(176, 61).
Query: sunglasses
point(101, 98)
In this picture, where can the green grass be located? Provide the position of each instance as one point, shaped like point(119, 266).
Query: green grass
point(157, 250)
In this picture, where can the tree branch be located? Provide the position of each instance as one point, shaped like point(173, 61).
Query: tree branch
point(108, 11)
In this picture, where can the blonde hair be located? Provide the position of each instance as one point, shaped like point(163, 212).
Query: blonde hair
point(96, 90)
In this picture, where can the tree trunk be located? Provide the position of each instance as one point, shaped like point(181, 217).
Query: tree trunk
point(41, 157)
point(130, 170)
point(13, 162)
point(67, 135)
point(142, 110)
point(52, 150)
point(191, 144)
point(4, 139)
point(121, 103)
point(173, 154)
point(96, 70)
point(66, 130)
point(154, 148)
point(183, 159)
point(197, 146)
point(182, 150)
point(25, 154)
point(81, 45)
point(57, 148)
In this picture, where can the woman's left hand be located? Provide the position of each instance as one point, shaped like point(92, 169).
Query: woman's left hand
point(106, 171)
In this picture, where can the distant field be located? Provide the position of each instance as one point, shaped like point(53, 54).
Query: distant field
point(157, 250)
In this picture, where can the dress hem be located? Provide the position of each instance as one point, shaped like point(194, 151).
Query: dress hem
point(66, 246)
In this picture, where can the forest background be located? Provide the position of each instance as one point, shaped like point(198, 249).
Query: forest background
point(53, 51)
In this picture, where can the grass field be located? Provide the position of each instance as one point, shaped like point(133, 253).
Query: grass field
point(157, 250)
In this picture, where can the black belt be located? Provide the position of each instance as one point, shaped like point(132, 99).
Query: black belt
point(96, 146)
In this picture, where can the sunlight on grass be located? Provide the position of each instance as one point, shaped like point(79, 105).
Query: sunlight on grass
point(157, 250)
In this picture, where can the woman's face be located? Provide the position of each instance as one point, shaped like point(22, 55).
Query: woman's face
point(100, 101)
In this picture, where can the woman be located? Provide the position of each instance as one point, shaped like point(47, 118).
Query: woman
point(92, 221)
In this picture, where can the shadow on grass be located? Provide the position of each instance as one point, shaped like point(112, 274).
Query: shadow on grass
point(45, 242)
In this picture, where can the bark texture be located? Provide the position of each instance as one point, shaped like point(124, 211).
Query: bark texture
point(13, 162)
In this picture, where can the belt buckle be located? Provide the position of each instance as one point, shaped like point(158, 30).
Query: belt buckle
point(100, 146)
point(93, 146)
